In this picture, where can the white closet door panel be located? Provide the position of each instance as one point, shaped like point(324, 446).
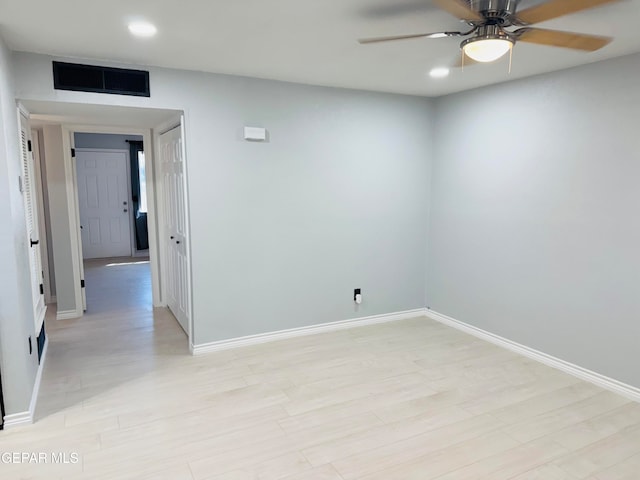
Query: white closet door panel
point(174, 217)
point(31, 217)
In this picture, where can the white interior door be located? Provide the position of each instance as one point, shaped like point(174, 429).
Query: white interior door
point(103, 200)
point(174, 220)
point(31, 212)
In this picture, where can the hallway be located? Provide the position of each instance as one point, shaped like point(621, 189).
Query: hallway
point(92, 362)
point(119, 338)
point(118, 285)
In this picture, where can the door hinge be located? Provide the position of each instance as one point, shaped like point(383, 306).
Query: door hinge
point(73, 153)
point(41, 289)
point(29, 145)
point(82, 283)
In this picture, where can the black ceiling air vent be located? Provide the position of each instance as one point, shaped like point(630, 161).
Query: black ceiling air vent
point(91, 78)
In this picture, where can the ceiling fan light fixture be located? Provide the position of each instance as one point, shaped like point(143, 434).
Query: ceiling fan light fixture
point(486, 49)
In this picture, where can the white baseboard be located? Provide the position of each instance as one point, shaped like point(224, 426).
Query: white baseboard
point(16, 419)
point(607, 383)
point(26, 418)
point(301, 331)
point(67, 314)
point(628, 391)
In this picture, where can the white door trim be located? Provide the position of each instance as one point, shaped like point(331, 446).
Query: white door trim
point(44, 239)
point(187, 219)
point(72, 194)
point(73, 213)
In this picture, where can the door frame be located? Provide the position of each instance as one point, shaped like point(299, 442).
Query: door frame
point(126, 153)
point(74, 211)
point(42, 219)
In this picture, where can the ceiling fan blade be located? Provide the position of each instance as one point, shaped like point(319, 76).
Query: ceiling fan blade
point(556, 8)
point(406, 37)
point(557, 38)
point(459, 9)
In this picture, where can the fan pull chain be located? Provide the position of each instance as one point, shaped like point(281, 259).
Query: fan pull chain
point(510, 58)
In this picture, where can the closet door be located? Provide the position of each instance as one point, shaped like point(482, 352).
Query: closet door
point(31, 212)
point(174, 219)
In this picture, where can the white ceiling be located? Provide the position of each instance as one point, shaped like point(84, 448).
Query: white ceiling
point(306, 41)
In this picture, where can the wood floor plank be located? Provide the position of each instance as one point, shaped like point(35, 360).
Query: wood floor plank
point(408, 450)
point(628, 469)
point(556, 420)
point(598, 427)
point(601, 455)
point(439, 462)
point(509, 463)
point(273, 469)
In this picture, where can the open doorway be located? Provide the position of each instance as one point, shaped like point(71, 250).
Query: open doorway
point(110, 216)
point(113, 210)
point(110, 175)
point(112, 197)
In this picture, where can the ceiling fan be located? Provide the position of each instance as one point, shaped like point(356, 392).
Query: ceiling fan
point(489, 21)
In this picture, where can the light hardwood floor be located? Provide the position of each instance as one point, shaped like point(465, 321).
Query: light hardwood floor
point(408, 400)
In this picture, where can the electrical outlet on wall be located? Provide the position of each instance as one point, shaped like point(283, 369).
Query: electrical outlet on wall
point(357, 296)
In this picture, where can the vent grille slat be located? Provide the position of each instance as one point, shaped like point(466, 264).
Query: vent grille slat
point(96, 79)
point(26, 182)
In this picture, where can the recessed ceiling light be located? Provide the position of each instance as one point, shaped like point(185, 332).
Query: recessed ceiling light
point(439, 72)
point(142, 29)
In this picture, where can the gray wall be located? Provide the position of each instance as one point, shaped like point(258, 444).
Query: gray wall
point(104, 140)
point(18, 367)
point(283, 231)
point(535, 231)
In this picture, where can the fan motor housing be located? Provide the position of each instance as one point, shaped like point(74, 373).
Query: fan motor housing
point(488, 32)
point(499, 11)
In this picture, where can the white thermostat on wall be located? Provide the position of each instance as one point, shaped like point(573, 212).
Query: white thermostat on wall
point(256, 134)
